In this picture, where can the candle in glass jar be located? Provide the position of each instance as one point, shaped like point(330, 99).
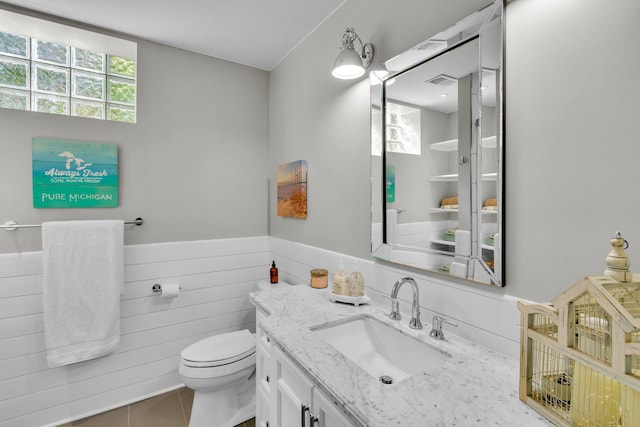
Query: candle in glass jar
point(319, 278)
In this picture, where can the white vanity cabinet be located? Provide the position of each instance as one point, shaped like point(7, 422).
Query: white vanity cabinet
point(285, 396)
point(264, 375)
point(326, 412)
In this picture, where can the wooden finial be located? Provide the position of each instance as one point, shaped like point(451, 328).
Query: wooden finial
point(617, 261)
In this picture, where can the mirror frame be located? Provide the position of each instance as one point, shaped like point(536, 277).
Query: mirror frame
point(461, 33)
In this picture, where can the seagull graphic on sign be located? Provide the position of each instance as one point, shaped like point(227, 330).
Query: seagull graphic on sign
point(80, 164)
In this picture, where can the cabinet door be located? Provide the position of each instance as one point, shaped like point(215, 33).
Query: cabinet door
point(292, 393)
point(326, 413)
point(263, 414)
point(264, 363)
point(264, 374)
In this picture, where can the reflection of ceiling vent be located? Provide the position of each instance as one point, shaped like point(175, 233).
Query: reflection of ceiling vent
point(442, 80)
point(431, 45)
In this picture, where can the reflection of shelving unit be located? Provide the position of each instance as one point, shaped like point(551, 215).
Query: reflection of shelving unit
point(442, 210)
point(442, 245)
point(452, 177)
point(453, 244)
point(450, 147)
point(443, 242)
point(452, 144)
point(489, 142)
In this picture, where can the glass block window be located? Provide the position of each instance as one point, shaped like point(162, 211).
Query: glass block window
point(52, 53)
point(83, 59)
point(14, 73)
point(13, 45)
point(88, 85)
point(51, 77)
point(403, 129)
point(15, 99)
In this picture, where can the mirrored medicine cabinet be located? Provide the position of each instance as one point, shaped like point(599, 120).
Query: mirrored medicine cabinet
point(437, 153)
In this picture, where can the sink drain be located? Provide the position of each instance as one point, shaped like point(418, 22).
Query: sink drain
point(386, 379)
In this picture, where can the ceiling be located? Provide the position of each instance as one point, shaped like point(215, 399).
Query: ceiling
point(258, 33)
point(433, 84)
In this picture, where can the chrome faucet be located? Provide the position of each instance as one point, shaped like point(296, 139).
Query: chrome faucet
point(414, 323)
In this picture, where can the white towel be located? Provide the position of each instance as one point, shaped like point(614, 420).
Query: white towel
point(83, 280)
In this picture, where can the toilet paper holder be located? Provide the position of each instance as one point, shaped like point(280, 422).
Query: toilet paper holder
point(157, 288)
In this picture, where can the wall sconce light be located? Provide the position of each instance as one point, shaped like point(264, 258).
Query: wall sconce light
point(350, 64)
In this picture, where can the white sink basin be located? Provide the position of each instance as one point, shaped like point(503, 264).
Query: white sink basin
point(381, 350)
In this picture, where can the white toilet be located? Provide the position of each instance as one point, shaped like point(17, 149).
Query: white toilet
point(221, 370)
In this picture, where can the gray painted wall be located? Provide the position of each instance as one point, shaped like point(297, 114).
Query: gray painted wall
point(193, 166)
point(572, 154)
point(571, 111)
point(316, 117)
point(571, 170)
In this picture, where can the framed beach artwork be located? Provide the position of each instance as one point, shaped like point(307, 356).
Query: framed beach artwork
point(292, 189)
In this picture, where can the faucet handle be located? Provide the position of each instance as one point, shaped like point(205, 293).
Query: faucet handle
point(395, 308)
point(436, 331)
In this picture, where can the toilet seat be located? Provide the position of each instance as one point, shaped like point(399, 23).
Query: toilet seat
point(219, 350)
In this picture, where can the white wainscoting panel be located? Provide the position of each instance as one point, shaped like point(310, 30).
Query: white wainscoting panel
point(216, 278)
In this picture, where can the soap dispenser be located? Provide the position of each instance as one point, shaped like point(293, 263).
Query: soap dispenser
point(356, 283)
point(273, 273)
point(340, 281)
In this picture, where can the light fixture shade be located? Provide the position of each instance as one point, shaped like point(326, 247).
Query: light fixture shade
point(348, 65)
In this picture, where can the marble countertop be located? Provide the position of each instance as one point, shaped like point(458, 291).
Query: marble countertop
point(474, 387)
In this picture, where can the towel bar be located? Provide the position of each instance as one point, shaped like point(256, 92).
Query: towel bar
point(12, 225)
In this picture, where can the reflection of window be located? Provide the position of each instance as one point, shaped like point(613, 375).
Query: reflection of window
point(403, 129)
point(54, 77)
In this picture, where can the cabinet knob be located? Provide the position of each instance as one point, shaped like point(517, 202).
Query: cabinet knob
point(267, 378)
point(313, 419)
point(463, 160)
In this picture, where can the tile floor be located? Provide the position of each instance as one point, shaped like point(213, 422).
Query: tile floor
point(170, 409)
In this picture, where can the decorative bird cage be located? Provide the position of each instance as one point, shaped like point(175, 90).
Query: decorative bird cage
point(580, 354)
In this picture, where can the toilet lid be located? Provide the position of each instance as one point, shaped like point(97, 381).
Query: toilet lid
point(220, 349)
